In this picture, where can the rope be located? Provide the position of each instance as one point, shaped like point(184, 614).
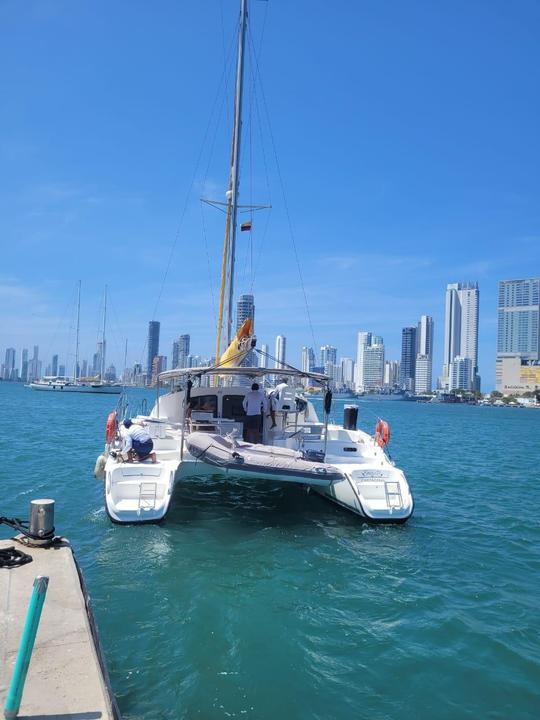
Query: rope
point(10, 558)
point(22, 527)
point(284, 196)
point(284, 364)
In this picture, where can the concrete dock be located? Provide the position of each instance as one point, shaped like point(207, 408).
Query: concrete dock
point(67, 678)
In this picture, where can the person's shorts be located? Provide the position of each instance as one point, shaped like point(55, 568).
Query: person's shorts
point(252, 422)
point(142, 448)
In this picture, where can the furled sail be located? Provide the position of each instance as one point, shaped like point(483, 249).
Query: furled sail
point(240, 346)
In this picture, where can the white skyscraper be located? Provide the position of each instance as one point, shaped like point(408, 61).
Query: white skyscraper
point(308, 359)
point(373, 371)
point(281, 344)
point(328, 354)
point(347, 373)
point(460, 374)
point(369, 362)
point(364, 340)
point(263, 357)
point(307, 364)
point(180, 352)
point(461, 331)
point(422, 379)
point(424, 357)
point(391, 373)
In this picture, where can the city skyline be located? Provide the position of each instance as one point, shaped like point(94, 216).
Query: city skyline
point(330, 357)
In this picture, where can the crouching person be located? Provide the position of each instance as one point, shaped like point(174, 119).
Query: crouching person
point(137, 443)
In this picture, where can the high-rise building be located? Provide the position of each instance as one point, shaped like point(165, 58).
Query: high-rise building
point(263, 358)
point(373, 370)
point(363, 341)
point(328, 354)
point(152, 345)
point(333, 372)
point(280, 352)
point(245, 308)
point(423, 372)
point(460, 376)
point(424, 335)
point(62, 370)
point(518, 336)
point(98, 362)
point(408, 358)
point(461, 331)
point(9, 365)
point(391, 373)
point(139, 377)
point(308, 359)
point(159, 365)
point(24, 365)
point(369, 362)
point(54, 365)
point(180, 352)
point(34, 365)
point(347, 373)
point(84, 368)
point(518, 315)
point(424, 355)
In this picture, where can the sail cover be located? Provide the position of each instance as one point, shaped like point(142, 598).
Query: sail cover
point(240, 346)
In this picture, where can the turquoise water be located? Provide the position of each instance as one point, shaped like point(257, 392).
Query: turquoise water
point(263, 602)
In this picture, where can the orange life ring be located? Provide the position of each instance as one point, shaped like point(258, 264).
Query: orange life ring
point(111, 427)
point(382, 433)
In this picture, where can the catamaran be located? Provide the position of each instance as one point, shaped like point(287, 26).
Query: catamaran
point(57, 383)
point(198, 426)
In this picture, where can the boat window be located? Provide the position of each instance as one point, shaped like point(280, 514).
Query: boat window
point(204, 403)
point(233, 408)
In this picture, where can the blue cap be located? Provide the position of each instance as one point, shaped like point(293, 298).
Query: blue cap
point(128, 423)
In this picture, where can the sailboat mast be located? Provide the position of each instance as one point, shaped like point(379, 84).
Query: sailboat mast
point(235, 175)
point(102, 372)
point(76, 370)
point(229, 245)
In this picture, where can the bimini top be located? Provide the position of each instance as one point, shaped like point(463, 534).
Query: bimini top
point(251, 372)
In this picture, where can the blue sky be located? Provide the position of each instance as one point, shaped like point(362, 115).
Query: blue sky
point(406, 136)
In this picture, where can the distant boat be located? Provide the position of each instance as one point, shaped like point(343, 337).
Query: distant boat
point(63, 384)
point(58, 383)
point(343, 395)
point(383, 395)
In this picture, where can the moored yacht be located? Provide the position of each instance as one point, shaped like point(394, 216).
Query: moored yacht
point(198, 431)
point(63, 384)
point(198, 427)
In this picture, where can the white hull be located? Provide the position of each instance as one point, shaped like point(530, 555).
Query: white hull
point(376, 491)
point(70, 387)
point(354, 472)
point(138, 492)
point(141, 491)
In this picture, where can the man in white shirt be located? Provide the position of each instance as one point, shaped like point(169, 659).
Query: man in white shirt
point(137, 443)
point(254, 403)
